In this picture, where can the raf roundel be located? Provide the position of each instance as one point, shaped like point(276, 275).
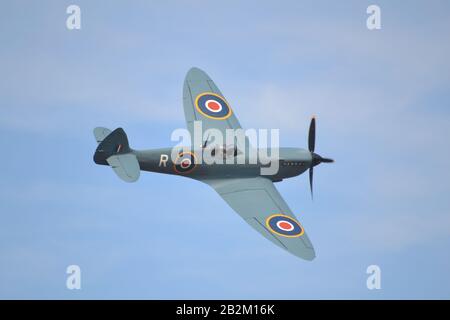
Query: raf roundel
point(184, 163)
point(284, 225)
point(213, 106)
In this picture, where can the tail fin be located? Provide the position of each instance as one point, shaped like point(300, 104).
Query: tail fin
point(115, 151)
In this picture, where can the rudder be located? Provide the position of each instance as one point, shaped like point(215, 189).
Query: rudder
point(115, 143)
point(114, 150)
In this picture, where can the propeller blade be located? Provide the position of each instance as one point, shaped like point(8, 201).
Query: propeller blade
point(315, 158)
point(312, 135)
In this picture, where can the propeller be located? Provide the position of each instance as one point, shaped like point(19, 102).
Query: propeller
point(316, 159)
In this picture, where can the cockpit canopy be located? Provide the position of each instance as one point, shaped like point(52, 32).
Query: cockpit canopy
point(224, 151)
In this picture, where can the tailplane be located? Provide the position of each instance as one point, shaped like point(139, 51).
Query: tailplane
point(113, 150)
point(101, 133)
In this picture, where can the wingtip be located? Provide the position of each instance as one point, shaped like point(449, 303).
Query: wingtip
point(308, 255)
point(305, 252)
point(195, 71)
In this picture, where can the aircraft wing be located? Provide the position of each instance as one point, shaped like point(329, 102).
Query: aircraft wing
point(260, 204)
point(203, 101)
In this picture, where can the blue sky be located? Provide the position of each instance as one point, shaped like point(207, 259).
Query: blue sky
point(382, 99)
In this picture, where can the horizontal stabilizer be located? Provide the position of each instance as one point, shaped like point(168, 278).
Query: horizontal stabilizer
point(101, 133)
point(126, 166)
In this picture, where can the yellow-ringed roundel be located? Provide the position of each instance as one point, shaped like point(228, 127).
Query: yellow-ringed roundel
point(284, 225)
point(185, 162)
point(213, 106)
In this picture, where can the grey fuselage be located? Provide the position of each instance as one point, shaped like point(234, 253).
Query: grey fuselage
point(291, 162)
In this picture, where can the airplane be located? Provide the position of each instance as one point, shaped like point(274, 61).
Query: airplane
point(252, 195)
